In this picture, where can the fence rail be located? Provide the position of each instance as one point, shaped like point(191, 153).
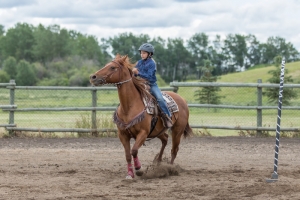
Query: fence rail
point(259, 106)
point(174, 86)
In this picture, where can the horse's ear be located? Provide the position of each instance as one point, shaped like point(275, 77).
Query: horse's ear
point(125, 58)
point(117, 56)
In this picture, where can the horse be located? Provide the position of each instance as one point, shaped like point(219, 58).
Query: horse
point(131, 117)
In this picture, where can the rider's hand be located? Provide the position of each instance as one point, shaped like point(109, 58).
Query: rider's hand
point(135, 71)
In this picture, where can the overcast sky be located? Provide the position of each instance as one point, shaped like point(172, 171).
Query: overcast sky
point(165, 18)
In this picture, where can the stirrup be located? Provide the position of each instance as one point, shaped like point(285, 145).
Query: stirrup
point(167, 121)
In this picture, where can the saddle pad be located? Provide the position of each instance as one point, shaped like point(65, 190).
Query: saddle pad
point(171, 104)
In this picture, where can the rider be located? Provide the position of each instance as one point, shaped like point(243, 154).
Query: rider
point(146, 69)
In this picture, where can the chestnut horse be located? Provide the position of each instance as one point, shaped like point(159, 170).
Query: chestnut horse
point(131, 117)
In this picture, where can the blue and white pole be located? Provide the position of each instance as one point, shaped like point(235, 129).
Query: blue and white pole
point(274, 176)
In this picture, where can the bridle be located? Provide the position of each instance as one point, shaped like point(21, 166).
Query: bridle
point(118, 84)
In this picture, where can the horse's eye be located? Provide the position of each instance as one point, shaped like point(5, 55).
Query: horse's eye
point(113, 68)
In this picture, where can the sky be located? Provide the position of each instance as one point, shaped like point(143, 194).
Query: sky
point(164, 18)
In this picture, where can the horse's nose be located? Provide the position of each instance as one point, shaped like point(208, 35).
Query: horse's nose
point(93, 77)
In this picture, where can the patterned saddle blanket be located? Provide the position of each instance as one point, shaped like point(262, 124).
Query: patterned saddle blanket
point(171, 104)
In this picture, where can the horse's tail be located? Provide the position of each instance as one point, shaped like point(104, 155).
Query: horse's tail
point(187, 131)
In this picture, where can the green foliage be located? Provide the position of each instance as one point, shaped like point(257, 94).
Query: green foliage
point(40, 70)
point(81, 77)
point(290, 134)
point(54, 82)
point(161, 82)
point(70, 71)
point(202, 132)
point(10, 67)
point(4, 77)
point(208, 95)
point(25, 75)
point(18, 42)
point(278, 46)
point(127, 44)
point(272, 93)
point(1, 30)
point(85, 121)
point(51, 48)
point(235, 49)
point(251, 133)
point(198, 45)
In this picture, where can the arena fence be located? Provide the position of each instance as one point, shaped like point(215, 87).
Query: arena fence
point(57, 109)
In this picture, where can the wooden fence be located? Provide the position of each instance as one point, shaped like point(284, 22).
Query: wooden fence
point(12, 108)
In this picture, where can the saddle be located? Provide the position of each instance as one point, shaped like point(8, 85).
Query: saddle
point(152, 108)
point(152, 105)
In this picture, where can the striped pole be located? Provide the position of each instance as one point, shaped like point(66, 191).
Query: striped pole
point(274, 176)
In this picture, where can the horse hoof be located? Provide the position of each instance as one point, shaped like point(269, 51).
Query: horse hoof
point(129, 177)
point(139, 172)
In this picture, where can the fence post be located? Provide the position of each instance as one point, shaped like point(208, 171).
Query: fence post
point(94, 116)
point(175, 88)
point(11, 102)
point(259, 110)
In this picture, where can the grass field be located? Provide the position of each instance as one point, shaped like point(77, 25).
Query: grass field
point(198, 116)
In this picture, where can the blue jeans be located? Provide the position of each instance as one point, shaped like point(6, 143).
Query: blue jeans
point(155, 91)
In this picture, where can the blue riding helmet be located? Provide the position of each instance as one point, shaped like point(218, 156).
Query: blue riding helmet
point(147, 47)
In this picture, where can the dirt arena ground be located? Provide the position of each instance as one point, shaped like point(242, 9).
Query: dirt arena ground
point(95, 168)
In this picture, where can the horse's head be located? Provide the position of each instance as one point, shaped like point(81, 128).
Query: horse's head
point(115, 72)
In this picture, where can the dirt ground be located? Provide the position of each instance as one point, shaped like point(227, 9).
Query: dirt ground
point(95, 168)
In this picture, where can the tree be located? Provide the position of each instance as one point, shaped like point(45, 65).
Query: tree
point(4, 77)
point(208, 94)
point(160, 55)
point(25, 75)
point(10, 67)
point(278, 46)
point(2, 31)
point(1, 43)
point(198, 46)
point(253, 51)
point(18, 42)
point(51, 42)
point(235, 49)
point(217, 56)
point(272, 93)
point(178, 58)
point(88, 47)
point(128, 44)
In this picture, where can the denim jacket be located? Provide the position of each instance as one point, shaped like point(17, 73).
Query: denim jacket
point(147, 70)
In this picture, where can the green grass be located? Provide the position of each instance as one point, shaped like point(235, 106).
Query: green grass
point(251, 76)
point(245, 96)
point(198, 116)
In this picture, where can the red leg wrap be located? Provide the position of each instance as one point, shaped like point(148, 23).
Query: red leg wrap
point(130, 170)
point(137, 164)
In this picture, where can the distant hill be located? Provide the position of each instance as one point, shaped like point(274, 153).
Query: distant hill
point(251, 76)
point(245, 95)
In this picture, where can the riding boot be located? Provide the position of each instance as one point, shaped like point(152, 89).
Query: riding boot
point(167, 121)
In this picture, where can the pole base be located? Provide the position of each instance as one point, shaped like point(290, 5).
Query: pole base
point(274, 178)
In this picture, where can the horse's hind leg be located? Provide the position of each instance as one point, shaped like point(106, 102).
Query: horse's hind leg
point(176, 137)
point(164, 141)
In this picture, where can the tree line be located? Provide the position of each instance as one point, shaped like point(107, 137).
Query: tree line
point(39, 55)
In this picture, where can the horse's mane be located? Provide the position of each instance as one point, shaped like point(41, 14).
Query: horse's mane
point(139, 83)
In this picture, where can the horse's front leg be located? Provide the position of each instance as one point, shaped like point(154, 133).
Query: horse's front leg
point(125, 140)
point(140, 139)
